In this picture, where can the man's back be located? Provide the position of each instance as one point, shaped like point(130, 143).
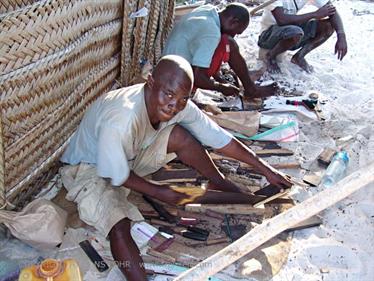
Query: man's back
point(195, 36)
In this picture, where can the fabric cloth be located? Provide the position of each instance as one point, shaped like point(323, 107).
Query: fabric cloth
point(99, 204)
point(116, 131)
point(270, 37)
point(221, 55)
point(196, 36)
point(291, 7)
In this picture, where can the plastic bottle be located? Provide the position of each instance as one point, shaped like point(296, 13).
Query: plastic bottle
point(336, 170)
point(52, 270)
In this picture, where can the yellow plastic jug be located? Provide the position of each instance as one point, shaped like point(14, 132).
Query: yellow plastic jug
point(52, 270)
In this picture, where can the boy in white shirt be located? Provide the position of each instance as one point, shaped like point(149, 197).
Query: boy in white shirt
point(134, 131)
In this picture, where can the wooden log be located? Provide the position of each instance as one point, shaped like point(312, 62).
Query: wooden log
point(272, 227)
point(237, 209)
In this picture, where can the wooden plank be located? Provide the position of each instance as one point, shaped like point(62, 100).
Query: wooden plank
point(169, 174)
point(160, 255)
point(292, 165)
point(312, 179)
point(311, 222)
point(268, 190)
point(272, 227)
point(326, 156)
point(272, 198)
point(274, 152)
point(238, 209)
point(218, 197)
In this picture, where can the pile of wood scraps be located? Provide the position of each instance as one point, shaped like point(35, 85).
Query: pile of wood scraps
point(216, 219)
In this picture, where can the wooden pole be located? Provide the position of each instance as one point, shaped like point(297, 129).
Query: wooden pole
point(260, 7)
point(270, 228)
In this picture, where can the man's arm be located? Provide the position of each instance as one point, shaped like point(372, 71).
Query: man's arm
point(341, 44)
point(286, 19)
point(237, 150)
point(238, 64)
point(203, 81)
point(160, 192)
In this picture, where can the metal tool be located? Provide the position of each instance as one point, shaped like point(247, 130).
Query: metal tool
point(308, 104)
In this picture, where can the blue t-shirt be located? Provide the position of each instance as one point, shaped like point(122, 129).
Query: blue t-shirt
point(196, 36)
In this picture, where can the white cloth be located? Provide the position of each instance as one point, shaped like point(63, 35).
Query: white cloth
point(99, 204)
point(116, 129)
point(290, 7)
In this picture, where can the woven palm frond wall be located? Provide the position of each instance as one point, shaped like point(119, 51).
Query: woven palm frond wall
point(56, 58)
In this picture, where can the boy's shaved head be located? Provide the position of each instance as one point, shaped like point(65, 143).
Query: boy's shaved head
point(175, 68)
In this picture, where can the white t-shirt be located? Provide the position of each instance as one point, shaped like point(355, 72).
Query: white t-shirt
point(116, 128)
point(290, 7)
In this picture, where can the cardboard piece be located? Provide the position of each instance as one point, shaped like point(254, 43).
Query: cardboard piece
point(244, 122)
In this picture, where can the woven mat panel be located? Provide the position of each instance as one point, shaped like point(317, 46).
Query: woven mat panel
point(152, 30)
point(27, 97)
point(56, 58)
point(143, 38)
point(7, 6)
point(36, 31)
point(2, 172)
point(158, 45)
point(59, 128)
point(140, 35)
point(127, 41)
point(35, 142)
point(168, 22)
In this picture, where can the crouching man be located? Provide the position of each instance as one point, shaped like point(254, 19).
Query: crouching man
point(282, 29)
point(132, 132)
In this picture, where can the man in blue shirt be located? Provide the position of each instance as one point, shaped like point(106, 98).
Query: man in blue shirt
point(204, 38)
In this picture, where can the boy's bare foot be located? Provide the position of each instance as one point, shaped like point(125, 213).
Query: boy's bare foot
point(271, 64)
point(301, 62)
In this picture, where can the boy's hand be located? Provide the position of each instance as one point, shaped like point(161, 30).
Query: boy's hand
point(165, 194)
point(278, 179)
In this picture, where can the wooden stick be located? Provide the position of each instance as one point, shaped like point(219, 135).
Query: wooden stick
point(267, 230)
point(271, 198)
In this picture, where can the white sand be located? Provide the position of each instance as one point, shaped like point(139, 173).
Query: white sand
point(342, 249)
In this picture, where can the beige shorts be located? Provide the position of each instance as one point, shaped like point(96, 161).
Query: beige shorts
point(102, 205)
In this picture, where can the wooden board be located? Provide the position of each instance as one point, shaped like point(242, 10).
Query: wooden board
point(239, 209)
point(326, 156)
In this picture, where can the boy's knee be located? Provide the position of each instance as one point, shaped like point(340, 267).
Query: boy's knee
point(296, 38)
point(120, 229)
point(326, 27)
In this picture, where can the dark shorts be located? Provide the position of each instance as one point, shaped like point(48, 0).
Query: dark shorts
point(270, 37)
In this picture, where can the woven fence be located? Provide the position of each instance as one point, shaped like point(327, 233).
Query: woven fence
point(56, 58)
